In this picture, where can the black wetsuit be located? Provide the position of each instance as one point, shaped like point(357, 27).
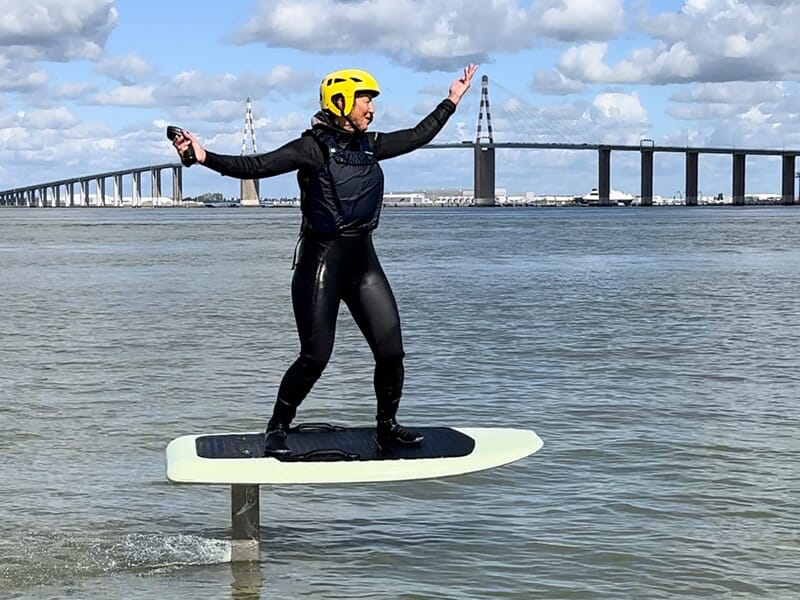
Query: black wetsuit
point(337, 261)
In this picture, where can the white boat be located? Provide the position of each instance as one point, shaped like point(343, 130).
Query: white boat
point(615, 198)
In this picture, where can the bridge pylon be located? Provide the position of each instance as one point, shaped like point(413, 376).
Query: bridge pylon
point(249, 188)
point(484, 154)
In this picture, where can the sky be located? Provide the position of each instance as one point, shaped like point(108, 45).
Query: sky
point(88, 86)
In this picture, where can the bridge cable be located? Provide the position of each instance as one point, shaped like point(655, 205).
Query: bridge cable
point(543, 125)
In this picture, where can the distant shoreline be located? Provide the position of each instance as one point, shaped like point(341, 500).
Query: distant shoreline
point(506, 205)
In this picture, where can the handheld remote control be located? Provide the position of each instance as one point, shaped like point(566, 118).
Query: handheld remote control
point(187, 158)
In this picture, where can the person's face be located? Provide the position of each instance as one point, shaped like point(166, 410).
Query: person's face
point(363, 112)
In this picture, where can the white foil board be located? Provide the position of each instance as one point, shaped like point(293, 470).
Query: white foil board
point(493, 447)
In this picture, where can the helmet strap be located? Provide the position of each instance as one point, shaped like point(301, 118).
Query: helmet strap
point(338, 100)
point(343, 116)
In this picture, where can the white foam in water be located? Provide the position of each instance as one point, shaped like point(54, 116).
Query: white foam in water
point(155, 551)
point(53, 558)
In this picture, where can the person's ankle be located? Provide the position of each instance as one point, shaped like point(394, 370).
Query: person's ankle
point(275, 439)
point(389, 431)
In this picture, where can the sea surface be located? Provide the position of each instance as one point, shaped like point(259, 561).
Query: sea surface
point(655, 351)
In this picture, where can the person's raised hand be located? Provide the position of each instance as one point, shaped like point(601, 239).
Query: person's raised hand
point(460, 86)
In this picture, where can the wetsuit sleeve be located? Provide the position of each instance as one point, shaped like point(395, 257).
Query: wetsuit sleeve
point(395, 143)
point(302, 152)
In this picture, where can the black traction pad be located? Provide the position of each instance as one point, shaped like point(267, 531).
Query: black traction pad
point(324, 443)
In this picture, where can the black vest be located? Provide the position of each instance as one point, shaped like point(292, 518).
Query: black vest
point(344, 196)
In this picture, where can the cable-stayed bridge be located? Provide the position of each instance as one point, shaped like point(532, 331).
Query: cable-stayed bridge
point(484, 157)
point(78, 191)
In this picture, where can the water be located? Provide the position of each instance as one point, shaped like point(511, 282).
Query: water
point(654, 351)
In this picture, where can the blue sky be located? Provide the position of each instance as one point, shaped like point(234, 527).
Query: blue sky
point(88, 85)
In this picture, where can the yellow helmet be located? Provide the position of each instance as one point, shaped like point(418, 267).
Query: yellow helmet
point(346, 82)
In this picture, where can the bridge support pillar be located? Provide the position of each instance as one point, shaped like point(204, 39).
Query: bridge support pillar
point(84, 183)
point(604, 176)
point(136, 191)
point(177, 185)
point(118, 190)
point(691, 178)
point(787, 191)
point(101, 191)
point(249, 192)
point(739, 161)
point(155, 185)
point(647, 177)
point(484, 175)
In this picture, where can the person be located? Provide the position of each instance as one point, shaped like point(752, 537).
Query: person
point(341, 192)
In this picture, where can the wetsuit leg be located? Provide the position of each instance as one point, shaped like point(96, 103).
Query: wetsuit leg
point(372, 304)
point(316, 293)
point(374, 309)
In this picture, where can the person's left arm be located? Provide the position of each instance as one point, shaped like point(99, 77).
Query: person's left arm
point(389, 145)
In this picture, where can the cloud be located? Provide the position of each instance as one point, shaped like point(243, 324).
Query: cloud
point(13, 138)
point(445, 34)
point(620, 108)
point(555, 83)
point(731, 93)
point(756, 125)
point(707, 40)
point(33, 137)
point(20, 77)
point(215, 111)
point(753, 114)
point(193, 87)
point(586, 63)
point(205, 93)
point(127, 95)
point(703, 112)
point(52, 30)
point(73, 91)
point(52, 118)
point(128, 69)
point(571, 20)
point(56, 30)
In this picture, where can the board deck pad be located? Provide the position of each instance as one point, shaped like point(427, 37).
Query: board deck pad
point(309, 443)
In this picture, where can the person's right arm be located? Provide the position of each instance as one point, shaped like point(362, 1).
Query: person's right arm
point(302, 152)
